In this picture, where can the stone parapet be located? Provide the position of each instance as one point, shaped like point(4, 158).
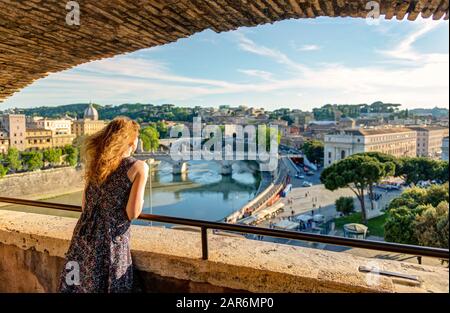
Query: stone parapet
point(32, 248)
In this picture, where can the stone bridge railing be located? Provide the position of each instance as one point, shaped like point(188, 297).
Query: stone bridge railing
point(32, 249)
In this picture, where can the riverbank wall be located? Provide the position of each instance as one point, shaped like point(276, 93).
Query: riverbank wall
point(41, 183)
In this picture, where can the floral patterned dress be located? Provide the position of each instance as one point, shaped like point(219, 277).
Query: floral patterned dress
point(99, 258)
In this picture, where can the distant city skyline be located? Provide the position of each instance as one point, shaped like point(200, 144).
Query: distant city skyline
point(297, 64)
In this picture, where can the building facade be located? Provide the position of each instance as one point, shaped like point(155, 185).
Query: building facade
point(38, 139)
point(444, 154)
point(429, 140)
point(57, 126)
point(15, 125)
point(4, 141)
point(399, 142)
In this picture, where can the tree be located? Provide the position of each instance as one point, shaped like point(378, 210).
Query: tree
point(418, 168)
point(413, 197)
point(399, 225)
point(313, 150)
point(345, 205)
point(390, 164)
point(162, 129)
point(441, 171)
point(3, 170)
point(356, 172)
point(431, 227)
point(52, 155)
point(419, 216)
point(150, 138)
point(71, 155)
point(33, 160)
point(269, 133)
point(13, 159)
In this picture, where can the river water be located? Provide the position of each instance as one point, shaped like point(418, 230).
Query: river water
point(202, 193)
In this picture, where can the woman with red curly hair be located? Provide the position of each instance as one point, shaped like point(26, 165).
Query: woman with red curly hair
point(99, 258)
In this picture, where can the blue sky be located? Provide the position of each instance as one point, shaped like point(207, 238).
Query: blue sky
point(296, 63)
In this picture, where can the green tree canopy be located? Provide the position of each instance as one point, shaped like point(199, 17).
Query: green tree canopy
point(150, 138)
point(418, 168)
point(356, 172)
point(431, 227)
point(53, 155)
point(3, 170)
point(33, 160)
point(13, 159)
point(413, 197)
point(419, 216)
point(71, 155)
point(399, 225)
point(313, 150)
point(344, 205)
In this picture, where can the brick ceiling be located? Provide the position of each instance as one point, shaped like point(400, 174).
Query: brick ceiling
point(35, 39)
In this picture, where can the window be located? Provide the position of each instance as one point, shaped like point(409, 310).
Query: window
point(329, 155)
point(342, 154)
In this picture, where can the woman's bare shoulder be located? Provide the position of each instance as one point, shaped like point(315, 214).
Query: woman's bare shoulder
point(140, 166)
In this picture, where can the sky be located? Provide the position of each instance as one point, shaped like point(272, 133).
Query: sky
point(297, 64)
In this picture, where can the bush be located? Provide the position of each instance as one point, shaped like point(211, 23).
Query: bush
point(345, 205)
point(3, 170)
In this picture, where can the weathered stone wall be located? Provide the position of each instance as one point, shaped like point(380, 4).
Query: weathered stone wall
point(32, 247)
point(44, 182)
point(35, 39)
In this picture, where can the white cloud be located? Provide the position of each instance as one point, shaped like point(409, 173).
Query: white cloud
point(308, 48)
point(249, 45)
point(404, 50)
point(257, 73)
point(128, 78)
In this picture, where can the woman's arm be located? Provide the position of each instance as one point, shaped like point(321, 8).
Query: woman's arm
point(138, 174)
point(83, 200)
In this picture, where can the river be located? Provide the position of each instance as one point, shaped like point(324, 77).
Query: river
point(203, 193)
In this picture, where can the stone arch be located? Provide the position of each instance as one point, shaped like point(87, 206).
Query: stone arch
point(35, 39)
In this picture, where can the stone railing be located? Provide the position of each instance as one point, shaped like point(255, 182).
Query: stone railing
point(32, 249)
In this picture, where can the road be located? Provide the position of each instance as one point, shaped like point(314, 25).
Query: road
point(318, 200)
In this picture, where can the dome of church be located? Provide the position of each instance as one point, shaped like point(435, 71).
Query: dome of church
point(90, 113)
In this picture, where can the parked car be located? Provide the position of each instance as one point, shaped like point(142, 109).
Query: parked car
point(310, 173)
point(306, 184)
point(424, 184)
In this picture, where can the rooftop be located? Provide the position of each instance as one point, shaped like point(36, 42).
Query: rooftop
point(427, 128)
point(374, 131)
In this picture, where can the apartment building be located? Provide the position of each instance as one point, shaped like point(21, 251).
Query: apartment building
point(15, 125)
point(57, 126)
point(4, 141)
point(429, 140)
point(38, 139)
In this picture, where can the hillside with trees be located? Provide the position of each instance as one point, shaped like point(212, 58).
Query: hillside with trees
point(137, 111)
